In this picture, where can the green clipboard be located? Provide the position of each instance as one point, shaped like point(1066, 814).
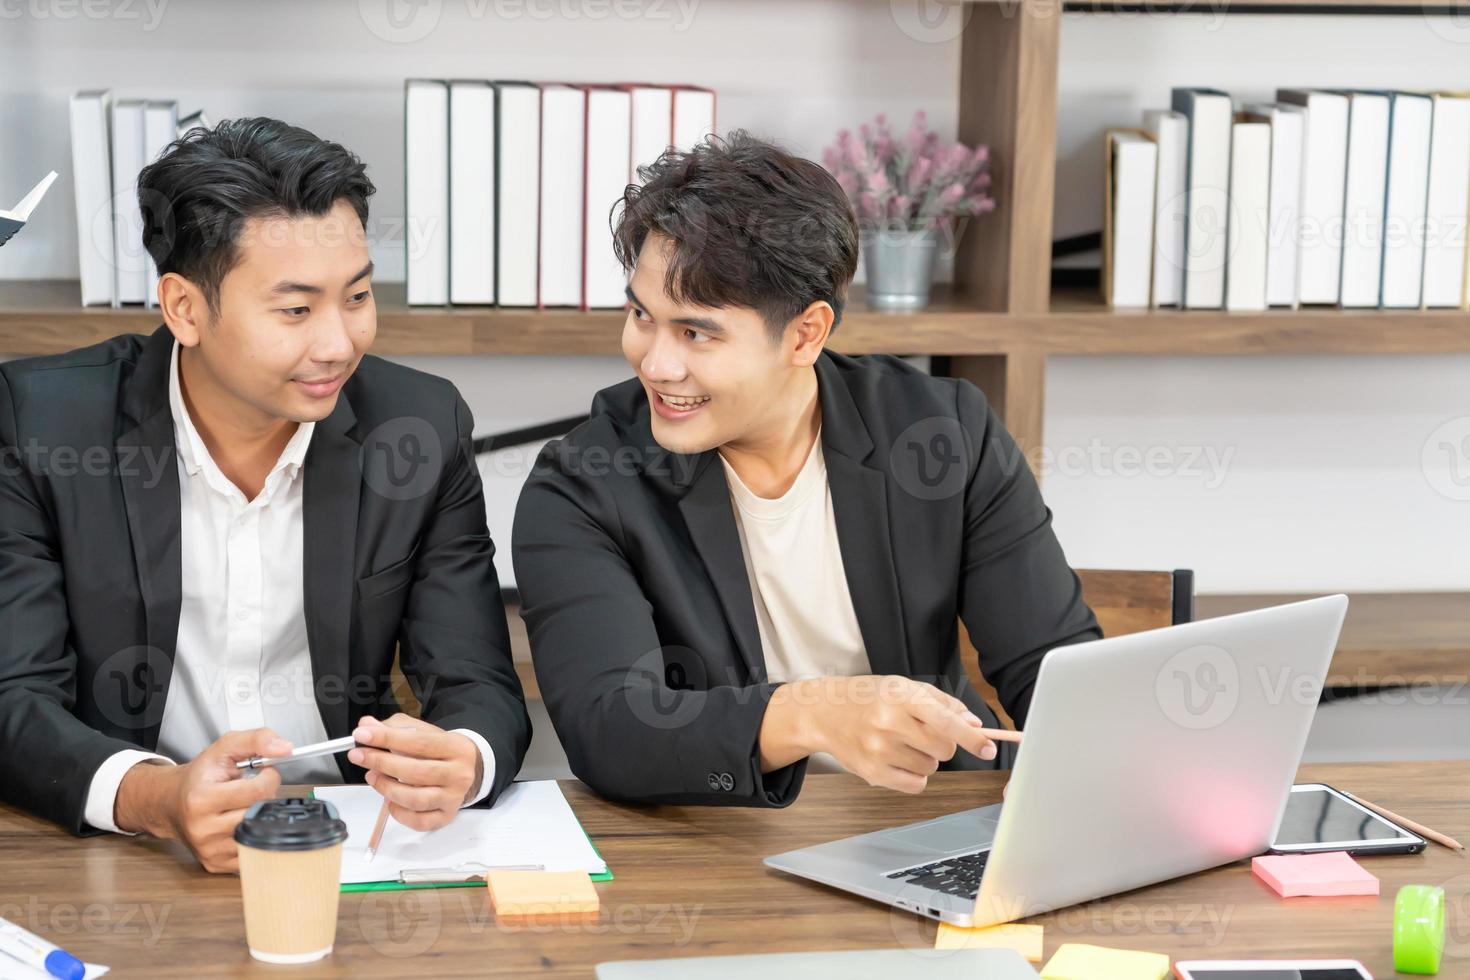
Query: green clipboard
point(398, 886)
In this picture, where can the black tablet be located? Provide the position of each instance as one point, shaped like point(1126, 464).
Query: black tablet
point(1320, 818)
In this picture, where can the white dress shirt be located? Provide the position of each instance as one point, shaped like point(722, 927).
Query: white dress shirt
point(242, 659)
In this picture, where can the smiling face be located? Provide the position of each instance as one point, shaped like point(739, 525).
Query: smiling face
point(713, 376)
point(295, 316)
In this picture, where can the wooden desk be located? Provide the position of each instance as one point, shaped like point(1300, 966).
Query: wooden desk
point(689, 882)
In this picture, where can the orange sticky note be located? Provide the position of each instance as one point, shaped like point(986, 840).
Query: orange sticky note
point(1024, 939)
point(1079, 961)
point(532, 896)
point(1329, 873)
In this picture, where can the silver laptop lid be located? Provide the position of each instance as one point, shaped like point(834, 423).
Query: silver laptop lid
point(1157, 754)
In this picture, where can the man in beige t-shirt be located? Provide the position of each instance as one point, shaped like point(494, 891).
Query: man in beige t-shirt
point(755, 555)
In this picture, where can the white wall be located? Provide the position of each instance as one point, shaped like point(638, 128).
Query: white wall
point(1325, 487)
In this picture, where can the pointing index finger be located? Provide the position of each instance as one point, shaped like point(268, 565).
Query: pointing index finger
point(954, 725)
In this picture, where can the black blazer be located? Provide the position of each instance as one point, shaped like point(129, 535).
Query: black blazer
point(90, 565)
point(641, 621)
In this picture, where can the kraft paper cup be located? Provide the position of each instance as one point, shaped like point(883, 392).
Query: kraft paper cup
point(290, 863)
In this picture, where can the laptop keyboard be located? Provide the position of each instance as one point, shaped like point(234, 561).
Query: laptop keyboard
point(959, 876)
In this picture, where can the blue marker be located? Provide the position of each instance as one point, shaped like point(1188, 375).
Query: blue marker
point(34, 951)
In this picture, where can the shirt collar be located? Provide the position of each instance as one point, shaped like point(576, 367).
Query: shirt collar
point(195, 454)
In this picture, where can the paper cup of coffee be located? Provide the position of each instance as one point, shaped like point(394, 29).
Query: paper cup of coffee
point(290, 862)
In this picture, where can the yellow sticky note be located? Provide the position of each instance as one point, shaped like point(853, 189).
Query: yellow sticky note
point(1079, 961)
point(1024, 939)
point(530, 896)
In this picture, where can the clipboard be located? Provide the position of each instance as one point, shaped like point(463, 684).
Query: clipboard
point(463, 875)
point(473, 873)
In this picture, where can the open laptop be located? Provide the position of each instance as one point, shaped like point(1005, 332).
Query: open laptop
point(1146, 757)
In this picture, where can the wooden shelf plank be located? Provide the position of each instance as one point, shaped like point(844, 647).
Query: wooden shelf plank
point(1393, 7)
point(1079, 323)
point(1392, 638)
point(42, 317)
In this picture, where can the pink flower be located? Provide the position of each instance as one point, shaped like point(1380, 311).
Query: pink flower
point(914, 141)
point(920, 181)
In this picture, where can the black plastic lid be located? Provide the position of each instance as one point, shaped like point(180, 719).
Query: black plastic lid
point(294, 824)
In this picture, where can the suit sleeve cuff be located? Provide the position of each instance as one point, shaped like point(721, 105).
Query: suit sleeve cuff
point(487, 765)
point(102, 793)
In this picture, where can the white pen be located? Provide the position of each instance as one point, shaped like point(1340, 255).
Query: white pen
point(305, 752)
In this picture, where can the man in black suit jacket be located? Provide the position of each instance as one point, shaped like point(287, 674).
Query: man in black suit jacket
point(756, 552)
point(220, 533)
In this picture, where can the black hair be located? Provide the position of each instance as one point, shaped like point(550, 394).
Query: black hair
point(200, 192)
point(750, 225)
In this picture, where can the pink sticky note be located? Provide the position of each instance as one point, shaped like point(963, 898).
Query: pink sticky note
point(1330, 873)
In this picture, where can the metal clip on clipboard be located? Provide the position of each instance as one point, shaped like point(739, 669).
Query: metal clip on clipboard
point(465, 871)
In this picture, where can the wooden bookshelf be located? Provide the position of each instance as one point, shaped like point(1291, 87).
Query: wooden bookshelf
point(42, 317)
point(1211, 7)
point(1003, 352)
point(997, 325)
point(1388, 639)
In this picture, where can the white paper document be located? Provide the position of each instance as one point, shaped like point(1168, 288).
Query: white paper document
point(531, 824)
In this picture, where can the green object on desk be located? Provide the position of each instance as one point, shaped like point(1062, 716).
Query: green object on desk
point(1418, 929)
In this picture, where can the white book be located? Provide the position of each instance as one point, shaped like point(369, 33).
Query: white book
point(1208, 184)
point(518, 192)
point(130, 266)
point(1128, 223)
point(1447, 202)
point(1362, 201)
point(426, 190)
point(653, 124)
point(91, 174)
point(14, 219)
point(1170, 131)
point(563, 156)
point(1288, 131)
point(160, 128)
point(694, 116)
point(1411, 120)
point(1250, 207)
point(471, 193)
point(1324, 166)
point(609, 156)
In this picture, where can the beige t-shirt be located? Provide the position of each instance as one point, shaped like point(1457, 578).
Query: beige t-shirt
point(792, 558)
